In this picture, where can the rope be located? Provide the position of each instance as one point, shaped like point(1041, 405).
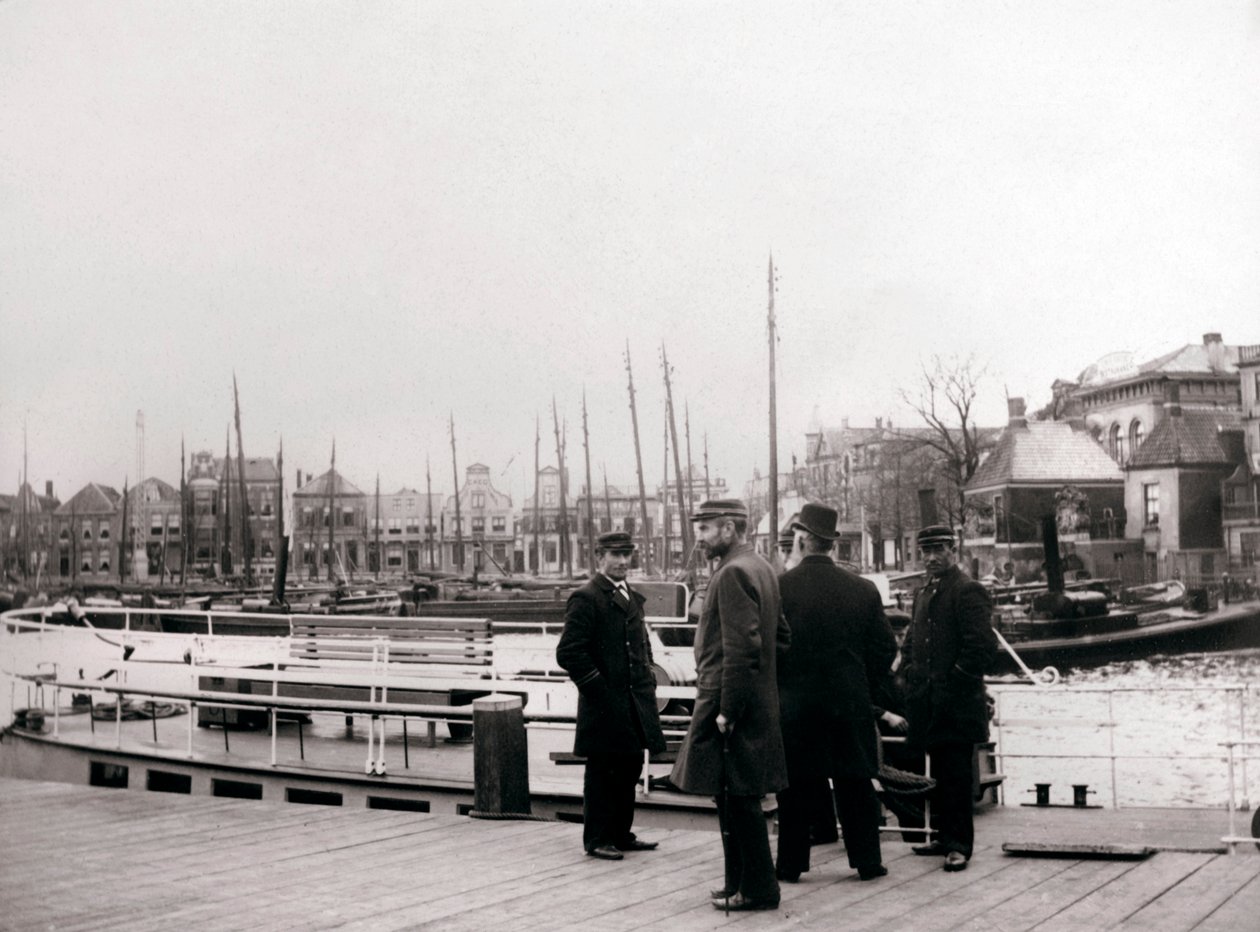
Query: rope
point(513, 816)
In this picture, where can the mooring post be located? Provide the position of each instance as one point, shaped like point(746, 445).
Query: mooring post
point(500, 755)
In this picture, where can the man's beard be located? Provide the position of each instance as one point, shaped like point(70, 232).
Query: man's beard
point(716, 550)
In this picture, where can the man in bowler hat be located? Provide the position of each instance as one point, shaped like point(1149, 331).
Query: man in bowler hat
point(605, 650)
point(842, 645)
point(947, 651)
point(733, 750)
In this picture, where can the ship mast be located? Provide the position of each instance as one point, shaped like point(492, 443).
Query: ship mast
point(684, 516)
point(459, 524)
point(773, 504)
point(240, 465)
point(538, 561)
point(590, 514)
point(332, 507)
point(638, 466)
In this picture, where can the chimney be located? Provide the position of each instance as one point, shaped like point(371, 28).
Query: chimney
point(1172, 398)
point(879, 422)
point(1015, 412)
point(1215, 351)
point(299, 477)
point(48, 488)
point(844, 423)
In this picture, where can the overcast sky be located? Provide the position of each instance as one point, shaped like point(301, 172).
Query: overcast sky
point(380, 215)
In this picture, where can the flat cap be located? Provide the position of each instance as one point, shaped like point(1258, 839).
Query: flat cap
point(615, 542)
point(720, 508)
point(936, 534)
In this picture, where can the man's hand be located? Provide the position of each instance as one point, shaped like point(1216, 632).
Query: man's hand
point(895, 722)
point(724, 725)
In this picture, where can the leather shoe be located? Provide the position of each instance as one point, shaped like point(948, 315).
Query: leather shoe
point(787, 876)
point(871, 873)
point(932, 850)
point(605, 852)
point(955, 861)
point(722, 894)
point(635, 845)
point(738, 903)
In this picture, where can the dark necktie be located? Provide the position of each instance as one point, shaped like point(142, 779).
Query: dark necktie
point(622, 595)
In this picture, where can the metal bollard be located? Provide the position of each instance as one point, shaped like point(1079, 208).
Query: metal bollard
point(1043, 793)
point(1079, 792)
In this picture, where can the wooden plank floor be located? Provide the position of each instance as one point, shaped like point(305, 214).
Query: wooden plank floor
point(79, 858)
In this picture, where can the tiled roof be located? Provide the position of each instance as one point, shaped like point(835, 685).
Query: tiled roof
point(1193, 357)
point(1189, 439)
point(257, 468)
point(1045, 451)
point(165, 492)
point(92, 499)
point(319, 485)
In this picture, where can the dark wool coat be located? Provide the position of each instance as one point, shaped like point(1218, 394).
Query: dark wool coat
point(605, 650)
point(947, 651)
point(842, 647)
point(740, 633)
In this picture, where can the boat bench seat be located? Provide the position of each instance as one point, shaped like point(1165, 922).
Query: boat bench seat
point(459, 645)
point(667, 756)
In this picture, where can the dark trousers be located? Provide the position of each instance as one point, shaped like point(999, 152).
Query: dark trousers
point(608, 789)
point(746, 847)
point(859, 812)
point(951, 800)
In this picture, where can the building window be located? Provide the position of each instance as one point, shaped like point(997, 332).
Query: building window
point(85, 564)
point(172, 522)
point(266, 505)
point(103, 534)
point(479, 499)
point(411, 503)
point(1150, 504)
point(394, 556)
point(103, 564)
point(155, 526)
point(478, 525)
point(1115, 443)
point(267, 551)
point(1135, 435)
point(413, 525)
point(87, 531)
point(999, 516)
point(498, 524)
point(499, 550)
point(549, 495)
point(395, 526)
point(347, 517)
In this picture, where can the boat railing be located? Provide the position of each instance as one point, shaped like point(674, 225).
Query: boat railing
point(1122, 736)
point(1233, 839)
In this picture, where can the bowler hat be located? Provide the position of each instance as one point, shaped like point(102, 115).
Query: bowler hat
point(936, 534)
point(720, 508)
point(615, 542)
point(818, 520)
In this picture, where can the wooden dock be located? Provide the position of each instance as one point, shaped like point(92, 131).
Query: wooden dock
point(79, 858)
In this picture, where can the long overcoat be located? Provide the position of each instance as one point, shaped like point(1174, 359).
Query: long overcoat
point(740, 633)
point(947, 651)
point(606, 652)
point(842, 647)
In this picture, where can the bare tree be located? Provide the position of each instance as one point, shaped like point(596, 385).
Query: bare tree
point(944, 399)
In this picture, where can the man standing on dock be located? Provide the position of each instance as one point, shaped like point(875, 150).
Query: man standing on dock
point(734, 748)
point(946, 653)
point(605, 650)
point(842, 646)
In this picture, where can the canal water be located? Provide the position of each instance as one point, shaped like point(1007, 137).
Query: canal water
point(1136, 733)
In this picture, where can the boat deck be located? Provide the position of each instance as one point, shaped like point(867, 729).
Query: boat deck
point(91, 858)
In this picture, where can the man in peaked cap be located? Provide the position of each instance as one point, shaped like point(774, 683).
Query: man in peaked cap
point(606, 652)
point(733, 750)
point(842, 646)
point(946, 653)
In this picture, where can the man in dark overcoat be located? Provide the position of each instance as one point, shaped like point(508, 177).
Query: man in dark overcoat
point(606, 652)
point(842, 645)
point(733, 750)
point(947, 651)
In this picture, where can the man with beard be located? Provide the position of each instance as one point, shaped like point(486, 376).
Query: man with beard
point(605, 650)
point(946, 653)
point(842, 646)
point(733, 750)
